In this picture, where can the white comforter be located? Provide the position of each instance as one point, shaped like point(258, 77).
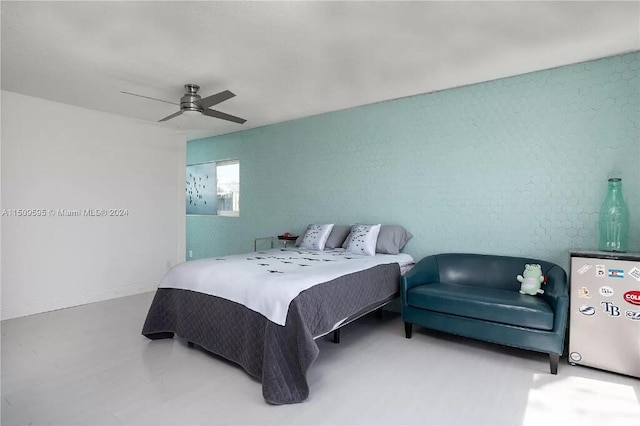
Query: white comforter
point(267, 281)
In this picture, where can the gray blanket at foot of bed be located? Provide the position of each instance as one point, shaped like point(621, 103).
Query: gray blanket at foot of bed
point(278, 356)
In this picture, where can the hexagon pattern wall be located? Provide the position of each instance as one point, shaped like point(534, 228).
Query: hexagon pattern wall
point(516, 166)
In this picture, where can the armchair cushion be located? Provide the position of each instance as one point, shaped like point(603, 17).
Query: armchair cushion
point(487, 304)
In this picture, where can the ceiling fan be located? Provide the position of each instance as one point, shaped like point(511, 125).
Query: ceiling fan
point(191, 102)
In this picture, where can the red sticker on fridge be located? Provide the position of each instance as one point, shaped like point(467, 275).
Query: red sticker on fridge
point(632, 297)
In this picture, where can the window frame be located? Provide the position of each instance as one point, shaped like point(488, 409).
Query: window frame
point(228, 213)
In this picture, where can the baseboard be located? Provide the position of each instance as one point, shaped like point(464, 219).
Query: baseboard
point(82, 299)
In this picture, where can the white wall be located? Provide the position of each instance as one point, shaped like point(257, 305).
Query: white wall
point(56, 156)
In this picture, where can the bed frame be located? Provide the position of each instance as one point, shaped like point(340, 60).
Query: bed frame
point(277, 355)
point(377, 307)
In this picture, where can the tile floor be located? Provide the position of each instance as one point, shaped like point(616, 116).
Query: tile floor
point(89, 365)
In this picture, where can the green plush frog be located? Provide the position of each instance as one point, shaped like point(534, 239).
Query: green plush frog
point(531, 279)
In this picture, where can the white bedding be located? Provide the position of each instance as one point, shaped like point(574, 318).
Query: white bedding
point(267, 281)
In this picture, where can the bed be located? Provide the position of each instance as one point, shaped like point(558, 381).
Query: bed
point(227, 306)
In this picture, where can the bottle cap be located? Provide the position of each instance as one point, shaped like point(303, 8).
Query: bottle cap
point(614, 175)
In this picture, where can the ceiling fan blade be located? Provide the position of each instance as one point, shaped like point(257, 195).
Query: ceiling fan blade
point(169, 117)
point(147, 97)
point(222, 115)
point(212, 100)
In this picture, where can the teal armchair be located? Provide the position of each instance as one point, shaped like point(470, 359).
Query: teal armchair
point(478, 296)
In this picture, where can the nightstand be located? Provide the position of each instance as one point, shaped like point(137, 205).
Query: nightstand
point(255, 242)
point(287, 239)
point(284, 240)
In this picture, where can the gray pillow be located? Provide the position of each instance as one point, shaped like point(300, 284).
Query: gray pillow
point(338, 235)
point(392, 238)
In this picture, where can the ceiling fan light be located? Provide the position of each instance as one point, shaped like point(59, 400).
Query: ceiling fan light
point(191, 113)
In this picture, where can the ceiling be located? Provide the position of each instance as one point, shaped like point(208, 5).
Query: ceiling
point(286, 60)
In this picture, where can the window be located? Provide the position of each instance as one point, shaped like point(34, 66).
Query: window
point(228, 177)
point(213, 188)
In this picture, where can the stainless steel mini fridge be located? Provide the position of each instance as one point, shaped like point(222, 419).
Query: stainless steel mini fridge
point(604, 322)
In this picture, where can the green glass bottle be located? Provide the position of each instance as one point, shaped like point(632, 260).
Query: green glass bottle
point(614, 219)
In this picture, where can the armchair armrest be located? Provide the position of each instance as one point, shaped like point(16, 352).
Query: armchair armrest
point(556, 287)
point(424, 272)
point(556, 294)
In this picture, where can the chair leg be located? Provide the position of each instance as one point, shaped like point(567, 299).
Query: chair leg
point(336, 336)
point(553, 363)
point(408, 329)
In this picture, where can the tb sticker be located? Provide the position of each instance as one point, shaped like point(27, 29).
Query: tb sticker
point(601, 271)
point(611, 309)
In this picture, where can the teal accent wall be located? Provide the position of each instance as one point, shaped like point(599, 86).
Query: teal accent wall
point(516, 166)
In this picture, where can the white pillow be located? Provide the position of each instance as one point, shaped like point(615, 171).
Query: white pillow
point(363, 239)
point(315, 237)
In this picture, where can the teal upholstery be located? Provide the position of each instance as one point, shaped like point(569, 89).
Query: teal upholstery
point(488, 304)
point(478, 296)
